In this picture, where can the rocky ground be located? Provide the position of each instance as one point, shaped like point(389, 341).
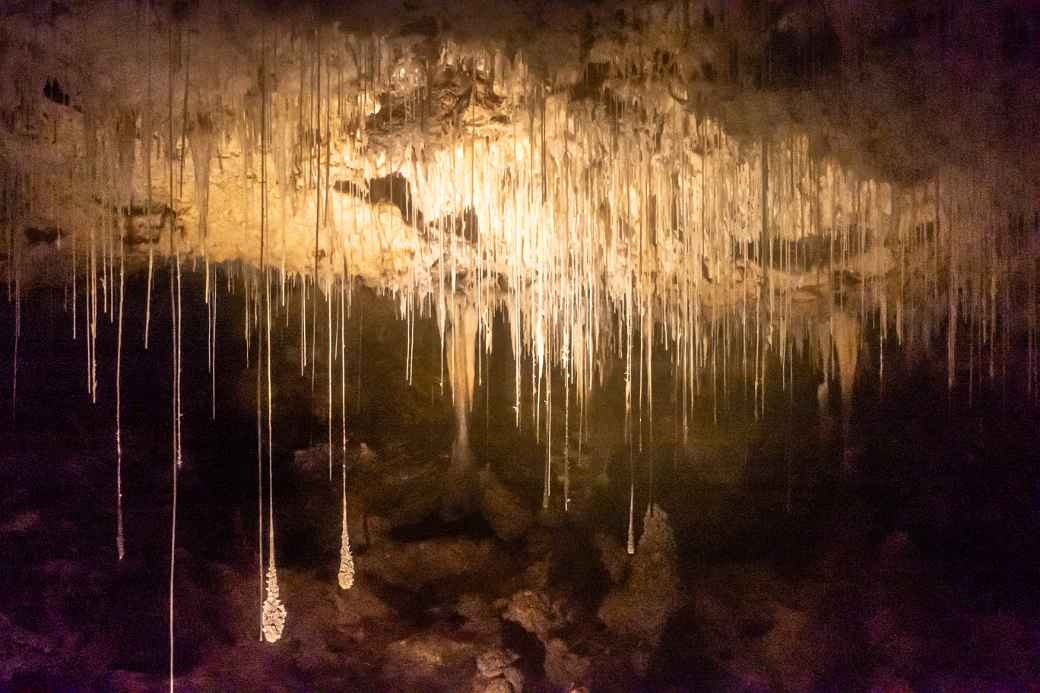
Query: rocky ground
point(508, 599)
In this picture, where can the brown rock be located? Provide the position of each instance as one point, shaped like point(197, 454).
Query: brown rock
point(533, 612)
point(563, 667)
point(493, 662)
point(652, 592)
point(508, 515)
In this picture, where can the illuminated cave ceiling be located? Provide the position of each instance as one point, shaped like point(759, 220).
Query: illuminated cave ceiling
point(580, 165)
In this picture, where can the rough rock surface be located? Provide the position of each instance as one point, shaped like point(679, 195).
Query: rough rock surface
point(641, 607)
point(563, 667)
point(612, 555)
point(533, 611)
point(22, 650)
point(478, 613)
point(506, 512)
point(495, 672)
point(423, 656)
point(496, 685)
point(493, 662)
point(414, 565)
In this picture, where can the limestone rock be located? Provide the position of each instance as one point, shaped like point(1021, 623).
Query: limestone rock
point(641, 607)
point(562, 666)
point(480, 616)
point(508, 515)
point(787, 651)
point(421, 656)
point(358, 603)
point(416, 564)
point(497, 685)
point(493, 662)
point(533, 612)
point(515, 678)
point(536, 575)
point(314, 461)
point(612, 554)
point(508, 679)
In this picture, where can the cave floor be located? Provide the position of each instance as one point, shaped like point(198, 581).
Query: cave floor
point(815, 596)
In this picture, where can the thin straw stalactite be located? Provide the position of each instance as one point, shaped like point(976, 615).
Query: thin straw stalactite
point(273, 612)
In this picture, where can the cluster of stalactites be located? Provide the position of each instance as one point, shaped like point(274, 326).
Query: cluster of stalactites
point(589, 219)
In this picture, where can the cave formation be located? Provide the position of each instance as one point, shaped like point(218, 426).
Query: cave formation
point(584, 241)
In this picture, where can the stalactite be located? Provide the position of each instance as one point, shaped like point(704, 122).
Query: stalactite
point(317, 209)
point(177, 359)
point(202, 137)
point(92, 321)
point(273, 612)
point(75, 289)
point(147, 131)
point(630, 546)
point(185, 52)
point(343, 363)
point(213, 353)
point(17, 261)
point(175, 458)
point(175, 428)
point(328, 310)
point(120, 541)
point(259, 475)
point(461, 368)
point(345, 577)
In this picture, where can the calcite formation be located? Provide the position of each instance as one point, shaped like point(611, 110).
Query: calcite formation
point(716, 182)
